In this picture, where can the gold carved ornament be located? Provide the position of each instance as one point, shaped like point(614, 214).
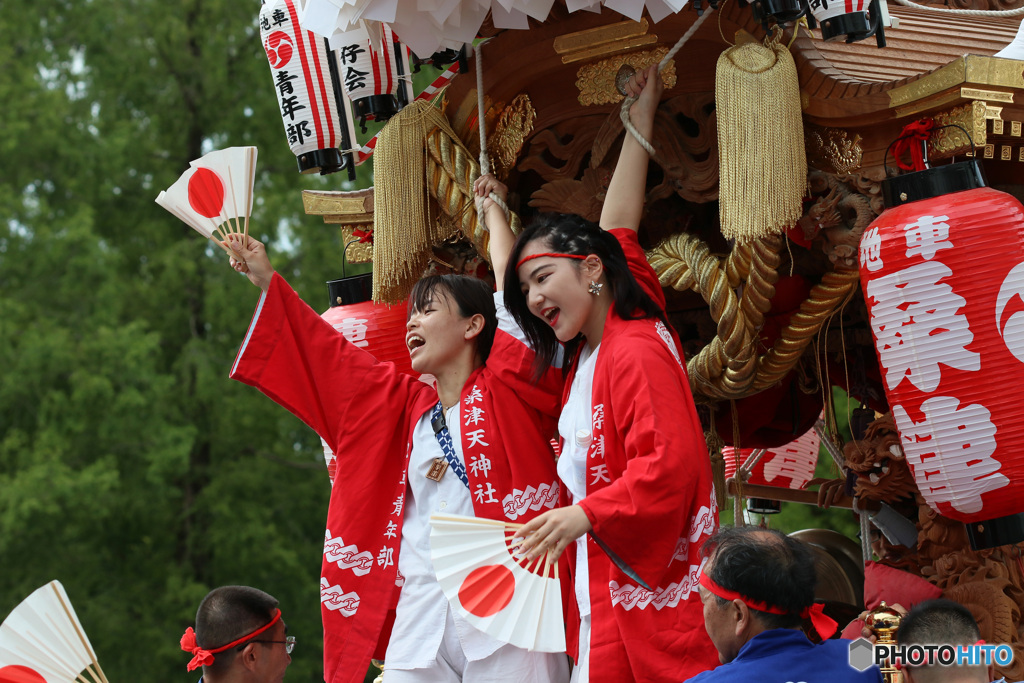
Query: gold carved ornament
point(514, 124)
point(596, 81)
point(729, 366)
point(945, 142)
point(832, 149)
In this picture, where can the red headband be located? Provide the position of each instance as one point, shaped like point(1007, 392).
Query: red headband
point(552, 254)
point(823, 624)
point(202, 657)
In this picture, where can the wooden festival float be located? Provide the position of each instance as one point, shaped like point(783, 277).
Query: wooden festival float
point(770, 325)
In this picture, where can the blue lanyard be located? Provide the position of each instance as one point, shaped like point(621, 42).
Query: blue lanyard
point(444, 439)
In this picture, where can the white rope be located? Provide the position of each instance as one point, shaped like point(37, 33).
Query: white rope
point(865, 537)
point(628, 102)
point(966, 12)
point(485, 162)
point(751, 463)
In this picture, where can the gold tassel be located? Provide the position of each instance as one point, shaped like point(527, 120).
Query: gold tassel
point(403, 231)
point(763, 165)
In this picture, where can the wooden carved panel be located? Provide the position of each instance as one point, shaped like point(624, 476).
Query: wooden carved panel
point(575, 160)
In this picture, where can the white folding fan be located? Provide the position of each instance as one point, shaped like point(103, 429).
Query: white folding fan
point(42, 641)
point(213, 192)
point(509, 599)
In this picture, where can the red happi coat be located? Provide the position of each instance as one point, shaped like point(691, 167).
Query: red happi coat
point(366, 411)
point(650, 499)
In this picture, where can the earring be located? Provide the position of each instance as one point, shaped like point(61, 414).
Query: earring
point(595, 288)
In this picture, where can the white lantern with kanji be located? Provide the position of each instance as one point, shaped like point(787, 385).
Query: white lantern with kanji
point(374, 72)
point(305, 90)
point(942, 271)
point(842, 19)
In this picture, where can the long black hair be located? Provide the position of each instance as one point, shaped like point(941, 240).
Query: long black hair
point(571, 234)
point(471, 295)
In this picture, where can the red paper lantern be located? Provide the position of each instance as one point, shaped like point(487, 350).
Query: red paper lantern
point(790, 466)
point(379, 329)
point(943, 275)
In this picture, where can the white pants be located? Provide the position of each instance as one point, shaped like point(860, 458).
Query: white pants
point(508, 664)
point(581, 672)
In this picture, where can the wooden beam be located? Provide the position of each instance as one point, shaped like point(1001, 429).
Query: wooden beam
point(786, 495)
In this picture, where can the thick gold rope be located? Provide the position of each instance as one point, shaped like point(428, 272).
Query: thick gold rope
point(451, 170)
point(729, 367)
point(821, 304)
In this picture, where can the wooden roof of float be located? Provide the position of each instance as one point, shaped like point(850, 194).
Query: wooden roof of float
point(855, 97)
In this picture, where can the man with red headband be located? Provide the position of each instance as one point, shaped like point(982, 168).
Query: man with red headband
point(239, 637)
point(757, 587)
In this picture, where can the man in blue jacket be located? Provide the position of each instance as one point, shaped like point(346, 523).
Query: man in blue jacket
point(757, 587)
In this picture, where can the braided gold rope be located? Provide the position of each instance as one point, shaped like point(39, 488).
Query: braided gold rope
point(451, 170)
point(726, 367)
point(825, 298)
point(737, 264)
point(760, 279)
point(720, 369)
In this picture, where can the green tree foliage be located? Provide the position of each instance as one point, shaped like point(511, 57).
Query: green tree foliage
point(131, 468)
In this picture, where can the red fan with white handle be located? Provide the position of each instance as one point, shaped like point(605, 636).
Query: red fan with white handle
point(42, 641)
point(214, 196)
point(509, 599)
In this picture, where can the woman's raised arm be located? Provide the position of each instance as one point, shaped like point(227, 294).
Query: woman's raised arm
point(500, 243)
point(624, 201)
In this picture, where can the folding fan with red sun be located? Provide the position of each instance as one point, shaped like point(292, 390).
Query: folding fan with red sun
point(515, 601)
point(42, 641)
point(213, 192)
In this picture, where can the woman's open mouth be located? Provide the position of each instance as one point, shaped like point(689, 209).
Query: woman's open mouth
point(413, 342)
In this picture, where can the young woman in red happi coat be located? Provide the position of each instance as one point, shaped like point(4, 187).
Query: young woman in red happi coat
point(397, 463)
point(634, 465)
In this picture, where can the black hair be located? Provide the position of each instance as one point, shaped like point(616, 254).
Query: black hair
point(471, 295)
point(571, 234)
point(938, 622)
point(764, 565)
point(229, 613)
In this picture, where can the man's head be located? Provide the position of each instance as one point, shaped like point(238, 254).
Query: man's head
point(240, 637)
point(941, 622)
point(756, 570)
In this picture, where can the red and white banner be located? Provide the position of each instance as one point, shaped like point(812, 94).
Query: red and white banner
point(943, 279)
